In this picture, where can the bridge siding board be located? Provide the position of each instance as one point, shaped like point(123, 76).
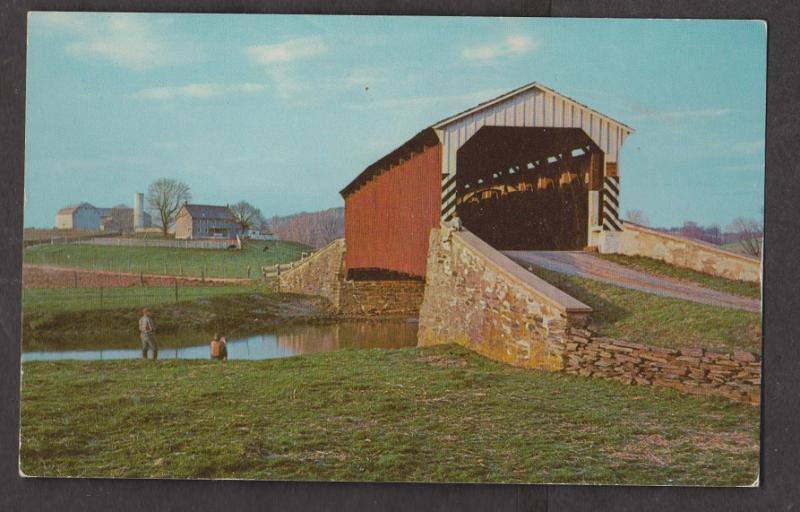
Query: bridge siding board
point(388, 221)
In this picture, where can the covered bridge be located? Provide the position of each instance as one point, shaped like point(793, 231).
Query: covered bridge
point(531, 169)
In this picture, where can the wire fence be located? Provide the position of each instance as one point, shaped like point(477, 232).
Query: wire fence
point(102, 297)
point(247, 264)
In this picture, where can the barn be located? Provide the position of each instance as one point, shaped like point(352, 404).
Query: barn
point(529, 170)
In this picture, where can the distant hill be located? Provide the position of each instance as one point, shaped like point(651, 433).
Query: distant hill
point(316, 229)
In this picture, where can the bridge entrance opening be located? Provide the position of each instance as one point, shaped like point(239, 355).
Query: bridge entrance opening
point(527, 188)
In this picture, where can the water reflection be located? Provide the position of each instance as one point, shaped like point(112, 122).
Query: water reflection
point(283, 342)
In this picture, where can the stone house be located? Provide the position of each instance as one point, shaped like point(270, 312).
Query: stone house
point(205, 221)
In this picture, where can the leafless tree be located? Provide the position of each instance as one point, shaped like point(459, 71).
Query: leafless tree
point(247, 215)
point(316, 229)
point(166, 196)
point(637, 217)
point(121, 219)
point(749, 232)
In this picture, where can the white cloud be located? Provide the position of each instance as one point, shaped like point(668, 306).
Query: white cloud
point(277, 59)
point(127, 40)
point(288, 51)
point(511, 46)
point(197, 91)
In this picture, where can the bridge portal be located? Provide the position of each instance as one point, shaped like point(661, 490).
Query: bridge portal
point(524, 188)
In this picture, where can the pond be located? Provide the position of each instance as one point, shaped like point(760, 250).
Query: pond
point(285, 341)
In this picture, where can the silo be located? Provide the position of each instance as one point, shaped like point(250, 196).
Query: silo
point(138, 211)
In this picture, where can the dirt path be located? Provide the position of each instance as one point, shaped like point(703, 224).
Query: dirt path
point(583, 264)
point(49, 276)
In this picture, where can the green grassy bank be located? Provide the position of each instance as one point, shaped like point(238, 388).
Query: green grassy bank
point(436, 414)
point(647, 318)
point(660, 268)
point(162, 260)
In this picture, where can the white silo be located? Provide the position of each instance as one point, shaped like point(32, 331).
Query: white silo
point(138, 211)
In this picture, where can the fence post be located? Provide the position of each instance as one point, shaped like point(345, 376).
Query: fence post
point(248, 271)
point(176, 290)
point(205, 271)
point(203, 274)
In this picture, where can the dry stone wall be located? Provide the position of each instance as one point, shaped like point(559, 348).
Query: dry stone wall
point(736, 375)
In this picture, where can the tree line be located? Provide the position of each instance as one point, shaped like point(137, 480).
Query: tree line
point(316, 229)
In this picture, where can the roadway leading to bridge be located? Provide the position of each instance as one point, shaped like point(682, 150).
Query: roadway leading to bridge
point(587, 265)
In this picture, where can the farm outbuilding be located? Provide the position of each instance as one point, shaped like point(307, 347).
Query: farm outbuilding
point(531, 169)
point(82, 216)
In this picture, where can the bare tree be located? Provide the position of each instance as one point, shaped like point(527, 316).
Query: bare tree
point(637, 217)
point(166, 196)
point(247, 215)
point(329, 228)
point(749, 233)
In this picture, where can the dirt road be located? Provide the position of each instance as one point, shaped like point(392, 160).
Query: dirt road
point(584, 264)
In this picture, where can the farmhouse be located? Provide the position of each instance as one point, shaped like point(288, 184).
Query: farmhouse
point(531, 169)
point(206, 221)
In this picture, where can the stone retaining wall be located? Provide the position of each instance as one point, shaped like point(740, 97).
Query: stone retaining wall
point(735, 376)
point(323, 274)
point(637, 240)
point(385, 298)
point(477, 297)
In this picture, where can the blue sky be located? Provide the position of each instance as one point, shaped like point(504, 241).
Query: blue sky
point(283, 111)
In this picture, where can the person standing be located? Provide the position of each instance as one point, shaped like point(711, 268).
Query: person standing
point(147, 333)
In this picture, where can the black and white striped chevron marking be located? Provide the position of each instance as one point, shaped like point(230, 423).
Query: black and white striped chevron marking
point(448, 196)
point(611, 220)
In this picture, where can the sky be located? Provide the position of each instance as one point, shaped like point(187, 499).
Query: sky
point(284, 111)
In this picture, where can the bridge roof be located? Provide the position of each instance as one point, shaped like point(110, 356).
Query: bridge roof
point(430, 135)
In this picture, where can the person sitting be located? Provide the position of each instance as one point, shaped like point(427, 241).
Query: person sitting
point(223, 349)
point(219, 348)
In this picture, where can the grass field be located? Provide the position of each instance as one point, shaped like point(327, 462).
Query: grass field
point(52, 300)
point(169, 261)
point(657, 267)
point(647, 318)
point(436, 414)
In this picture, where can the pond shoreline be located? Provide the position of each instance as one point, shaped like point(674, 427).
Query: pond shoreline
point(286, 340)
point(236, 316)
